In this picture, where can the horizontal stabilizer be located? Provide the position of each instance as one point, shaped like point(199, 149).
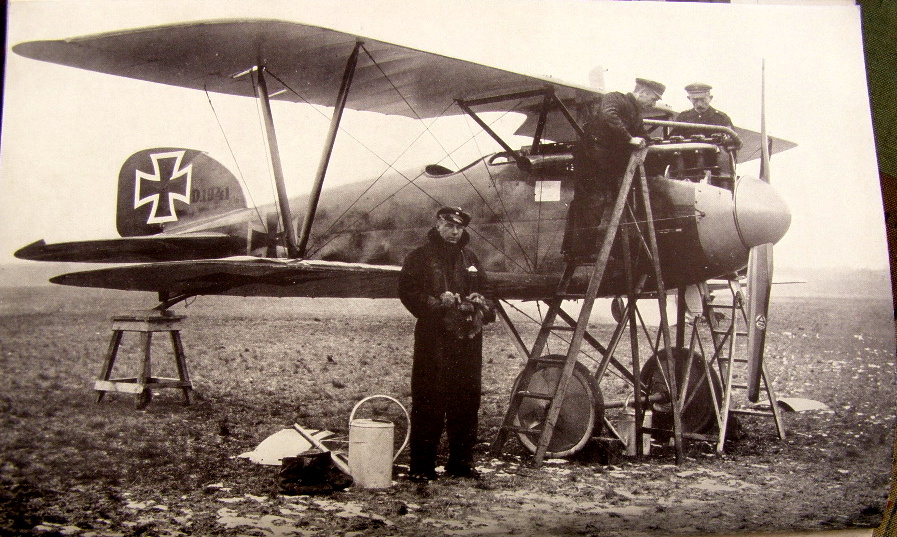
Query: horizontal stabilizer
point(136, 249)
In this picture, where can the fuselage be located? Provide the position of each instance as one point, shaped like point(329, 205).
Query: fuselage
point(706, 222)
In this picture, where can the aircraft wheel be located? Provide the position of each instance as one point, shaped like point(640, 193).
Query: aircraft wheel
point(582, 409)
point(698, 414)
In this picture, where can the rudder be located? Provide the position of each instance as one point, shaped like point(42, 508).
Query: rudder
point(162, 187)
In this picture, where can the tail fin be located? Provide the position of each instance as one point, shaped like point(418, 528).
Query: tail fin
point(163, 186)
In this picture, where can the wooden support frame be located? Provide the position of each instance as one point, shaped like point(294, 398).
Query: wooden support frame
point(145, 325)
point(612, 221)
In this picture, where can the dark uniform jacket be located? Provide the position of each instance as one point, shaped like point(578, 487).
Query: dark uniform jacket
point(711, 117)
point(606, 150)
point(599, 161)
point(442, 360)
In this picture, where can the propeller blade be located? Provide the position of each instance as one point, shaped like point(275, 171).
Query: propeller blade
point(764, 137)
point(759, 285)
point(759, 273)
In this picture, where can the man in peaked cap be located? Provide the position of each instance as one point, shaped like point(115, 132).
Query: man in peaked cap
point(701, 112)
point(600, 159)
point(443, 284)
point(454, 214)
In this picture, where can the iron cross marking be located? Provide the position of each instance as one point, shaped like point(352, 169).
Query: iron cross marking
point(168, 182)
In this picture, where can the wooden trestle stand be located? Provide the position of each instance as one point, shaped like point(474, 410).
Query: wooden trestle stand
point(144, 323)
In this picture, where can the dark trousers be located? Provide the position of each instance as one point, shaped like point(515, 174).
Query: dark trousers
point(429, 416)
point(595, 191)
point(445, 395)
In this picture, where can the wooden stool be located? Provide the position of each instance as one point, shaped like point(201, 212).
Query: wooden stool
point(144, 323)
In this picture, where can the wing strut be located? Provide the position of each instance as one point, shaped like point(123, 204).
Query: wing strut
point(315, 194)
point(261, 91)
point(548, 97)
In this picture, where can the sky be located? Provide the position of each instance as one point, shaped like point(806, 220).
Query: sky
point(66, 131)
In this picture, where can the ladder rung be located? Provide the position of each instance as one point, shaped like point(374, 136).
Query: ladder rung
point(722, 331)
point(519, 429)
point(547, 360)
point(740, 386)
point(751, 412)
point(561, 328)
point(535, 395)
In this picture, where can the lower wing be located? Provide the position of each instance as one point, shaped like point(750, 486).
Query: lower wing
point(253, 276)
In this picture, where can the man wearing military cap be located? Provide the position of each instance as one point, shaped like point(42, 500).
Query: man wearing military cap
point(444, 286)
point(701, 112)
point(454, 214)
point(601, 157)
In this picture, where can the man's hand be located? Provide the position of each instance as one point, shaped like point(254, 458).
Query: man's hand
point(449, 299)
point(638, 142)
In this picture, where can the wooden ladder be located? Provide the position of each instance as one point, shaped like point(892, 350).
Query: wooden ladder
point(611, 223)
point(727, 323)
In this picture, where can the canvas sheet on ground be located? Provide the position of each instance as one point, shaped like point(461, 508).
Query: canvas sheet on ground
point(260, 364)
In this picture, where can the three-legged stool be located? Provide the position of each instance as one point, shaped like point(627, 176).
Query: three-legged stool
point(145, 324)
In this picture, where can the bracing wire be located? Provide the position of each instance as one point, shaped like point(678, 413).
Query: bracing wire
point(233, 156)
point(412, 182)
point(584, 352)
point(448, 153)
point(390, 166)
point(409, 180)
point(512, 231)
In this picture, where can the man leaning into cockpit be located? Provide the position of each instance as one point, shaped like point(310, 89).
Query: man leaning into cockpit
point(600, 159)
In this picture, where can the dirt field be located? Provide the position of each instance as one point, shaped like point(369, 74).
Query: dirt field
point(73, 467)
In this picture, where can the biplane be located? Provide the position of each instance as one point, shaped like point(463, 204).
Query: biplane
point(187, 230)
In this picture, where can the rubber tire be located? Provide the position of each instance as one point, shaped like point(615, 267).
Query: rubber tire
point(700, 415)
point(582, 409)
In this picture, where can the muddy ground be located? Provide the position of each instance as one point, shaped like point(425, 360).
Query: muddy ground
point(73, 467)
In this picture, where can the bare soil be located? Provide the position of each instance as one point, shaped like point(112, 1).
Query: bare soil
point(71, 466)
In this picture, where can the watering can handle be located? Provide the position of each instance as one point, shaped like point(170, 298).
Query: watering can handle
point(396, 401)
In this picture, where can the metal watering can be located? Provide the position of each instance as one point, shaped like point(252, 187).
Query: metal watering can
point(627, 429)
point(370, 447)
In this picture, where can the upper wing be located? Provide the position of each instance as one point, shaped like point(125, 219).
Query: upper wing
point(253, 276)
point(308, 60)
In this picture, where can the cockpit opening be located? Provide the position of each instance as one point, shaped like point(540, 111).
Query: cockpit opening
point(437, 170)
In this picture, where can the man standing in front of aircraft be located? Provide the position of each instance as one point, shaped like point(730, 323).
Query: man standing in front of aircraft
point(701, 112)
point(443, 284)
point(600, 159)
